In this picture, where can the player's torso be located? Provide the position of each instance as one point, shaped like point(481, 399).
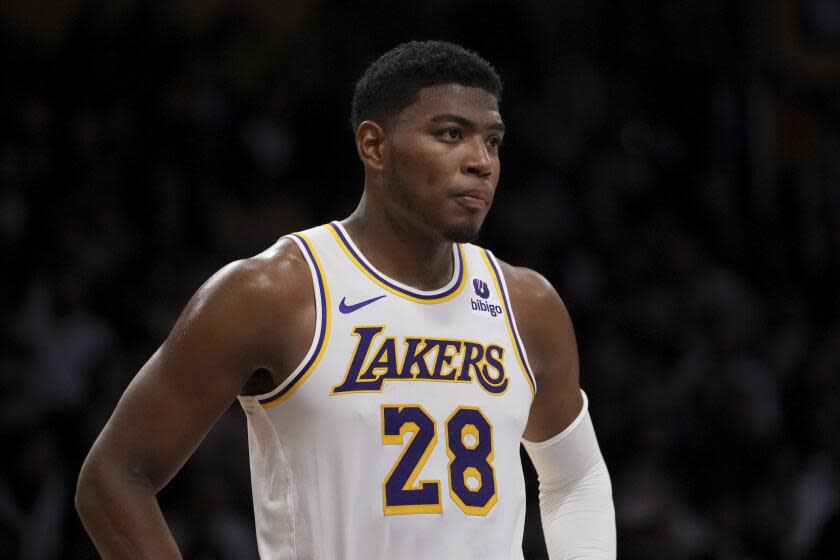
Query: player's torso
point(398, 435)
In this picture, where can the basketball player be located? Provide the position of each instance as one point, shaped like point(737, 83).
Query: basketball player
point(388, 368)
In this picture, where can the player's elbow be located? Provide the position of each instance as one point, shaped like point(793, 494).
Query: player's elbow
point(97, 483)
point(88, 491)
point(106, 480)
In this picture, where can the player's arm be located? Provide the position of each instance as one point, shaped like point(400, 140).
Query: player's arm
point(233, 326)
point(575, 490)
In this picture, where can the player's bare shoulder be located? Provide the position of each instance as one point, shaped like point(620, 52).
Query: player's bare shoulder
point(251, 288)
point(262, 307)
point(280, 272)
point(542, 318)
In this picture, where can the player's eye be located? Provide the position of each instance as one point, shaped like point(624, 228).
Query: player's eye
point(494, 142)
point(452, 134)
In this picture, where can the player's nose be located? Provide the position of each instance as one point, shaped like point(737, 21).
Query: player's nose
point(478, 161)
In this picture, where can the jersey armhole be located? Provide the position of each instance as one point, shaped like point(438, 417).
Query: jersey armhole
point(319, 340)
point(510, 319)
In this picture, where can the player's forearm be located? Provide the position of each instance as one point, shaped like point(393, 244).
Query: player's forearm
point(579, 521)
point(575, 493)
point(121, 514)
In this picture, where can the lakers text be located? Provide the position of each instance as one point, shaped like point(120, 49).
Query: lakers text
point(378, 359)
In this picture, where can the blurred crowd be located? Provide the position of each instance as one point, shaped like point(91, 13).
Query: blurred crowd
point(672, 167)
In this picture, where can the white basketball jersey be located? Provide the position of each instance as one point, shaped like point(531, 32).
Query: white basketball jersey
point(398, 435)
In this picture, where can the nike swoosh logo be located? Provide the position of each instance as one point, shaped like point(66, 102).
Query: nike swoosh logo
point(344, 308)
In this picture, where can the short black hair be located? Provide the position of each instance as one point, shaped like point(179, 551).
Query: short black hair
point(393, 81)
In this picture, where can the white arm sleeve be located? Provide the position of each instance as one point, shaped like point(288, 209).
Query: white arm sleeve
point(575, 493)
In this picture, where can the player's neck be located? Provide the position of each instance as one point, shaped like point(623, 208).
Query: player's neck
point(399, 251)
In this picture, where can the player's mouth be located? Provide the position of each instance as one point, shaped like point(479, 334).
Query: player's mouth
point(474, 199)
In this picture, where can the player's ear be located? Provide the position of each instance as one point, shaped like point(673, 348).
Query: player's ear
point(370, 144)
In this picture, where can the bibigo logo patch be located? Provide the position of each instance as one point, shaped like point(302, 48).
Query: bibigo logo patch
point(483, 292)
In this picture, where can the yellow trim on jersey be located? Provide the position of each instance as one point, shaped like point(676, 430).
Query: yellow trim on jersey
point(319, 270)
point(509, 323)
point(403, 295)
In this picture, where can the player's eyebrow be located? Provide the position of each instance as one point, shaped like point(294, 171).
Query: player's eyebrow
point(451, 117)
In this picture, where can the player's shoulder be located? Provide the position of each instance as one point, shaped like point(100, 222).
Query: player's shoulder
point(280, 265)
point(527, 286)
point(541, 315)
point(277, 275)
point(246, 305)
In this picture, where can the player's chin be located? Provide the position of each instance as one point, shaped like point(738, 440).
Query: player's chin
point(464, 230)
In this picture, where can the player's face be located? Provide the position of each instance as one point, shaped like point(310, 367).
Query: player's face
point(444, 160)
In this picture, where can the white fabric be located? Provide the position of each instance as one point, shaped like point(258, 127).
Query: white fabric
point(320, 458)
point(575, 493)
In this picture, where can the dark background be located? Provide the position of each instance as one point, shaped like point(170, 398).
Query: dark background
point(673, 167)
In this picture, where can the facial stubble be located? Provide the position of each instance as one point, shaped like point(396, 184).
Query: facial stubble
point(464, 232)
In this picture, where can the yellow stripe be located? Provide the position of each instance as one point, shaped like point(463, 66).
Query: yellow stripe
point(509, 322)
point(326, 303)
point(361, 267)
